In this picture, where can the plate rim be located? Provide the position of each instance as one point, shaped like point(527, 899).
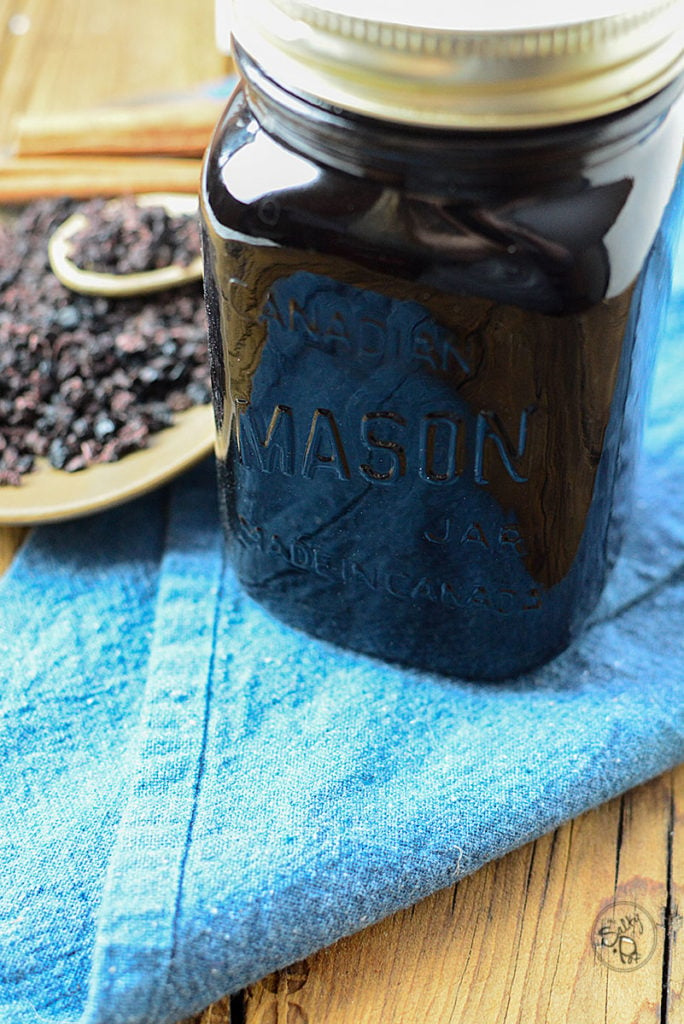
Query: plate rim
point(169, 452)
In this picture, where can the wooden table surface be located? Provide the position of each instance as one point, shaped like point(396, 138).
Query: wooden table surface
point(514, 942)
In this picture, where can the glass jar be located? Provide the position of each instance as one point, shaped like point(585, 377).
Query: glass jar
point(437, 260)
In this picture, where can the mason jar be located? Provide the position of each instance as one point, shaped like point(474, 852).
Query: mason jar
point(438, 248)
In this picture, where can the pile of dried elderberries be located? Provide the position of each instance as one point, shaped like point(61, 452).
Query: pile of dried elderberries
point(87, 379)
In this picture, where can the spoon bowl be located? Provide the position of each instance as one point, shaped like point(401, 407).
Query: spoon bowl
point(111, 285)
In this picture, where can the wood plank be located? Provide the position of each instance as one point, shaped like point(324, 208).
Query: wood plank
point(11, 539)
point(171, 128)
point(33, 177)
point(77, 54)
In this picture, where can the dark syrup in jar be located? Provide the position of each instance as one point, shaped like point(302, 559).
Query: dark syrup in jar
point(430, 353)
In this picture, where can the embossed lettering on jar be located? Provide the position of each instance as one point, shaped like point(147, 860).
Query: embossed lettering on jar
point(434, 292)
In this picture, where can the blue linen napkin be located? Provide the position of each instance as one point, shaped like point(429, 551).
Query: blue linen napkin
point(193, 795)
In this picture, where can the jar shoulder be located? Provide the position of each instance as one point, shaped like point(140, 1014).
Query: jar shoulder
point(556, 239)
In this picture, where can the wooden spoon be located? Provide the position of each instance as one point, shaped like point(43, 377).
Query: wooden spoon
point(91, 282)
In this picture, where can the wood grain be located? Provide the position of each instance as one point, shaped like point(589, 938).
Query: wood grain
point(25, 178)
point(77, 54)
point(515, 942)
point(172, 128)
point(11, 539)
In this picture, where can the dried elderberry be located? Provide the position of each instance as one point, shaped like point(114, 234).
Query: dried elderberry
point(128, 238)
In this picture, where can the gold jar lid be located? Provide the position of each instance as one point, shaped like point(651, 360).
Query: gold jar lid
point(491, 64)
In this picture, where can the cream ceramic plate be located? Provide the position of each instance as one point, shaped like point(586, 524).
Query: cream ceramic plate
point(48, 495)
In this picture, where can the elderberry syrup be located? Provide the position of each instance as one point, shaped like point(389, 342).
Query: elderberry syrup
point(437, 262)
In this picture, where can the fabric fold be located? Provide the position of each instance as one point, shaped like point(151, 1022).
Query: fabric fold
point(143, 887)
